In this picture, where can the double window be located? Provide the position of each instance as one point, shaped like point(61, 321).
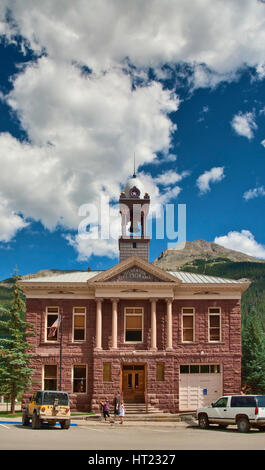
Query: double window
point(133, 325)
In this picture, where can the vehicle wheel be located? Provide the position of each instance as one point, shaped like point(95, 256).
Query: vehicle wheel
point(25, 419)
point(35, 421)
point(262, 428)
point(51, 424)
point(65, 424)
point(203, 421)
point(243, 425)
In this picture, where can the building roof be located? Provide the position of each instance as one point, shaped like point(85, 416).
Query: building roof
point(83, 277)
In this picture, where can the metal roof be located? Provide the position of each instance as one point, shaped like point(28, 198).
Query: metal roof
point(82, 277)
point(192, 278)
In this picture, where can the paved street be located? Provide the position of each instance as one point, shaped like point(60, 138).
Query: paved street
point(103, 436)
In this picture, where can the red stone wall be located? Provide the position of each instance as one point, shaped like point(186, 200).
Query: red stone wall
point(163, 395)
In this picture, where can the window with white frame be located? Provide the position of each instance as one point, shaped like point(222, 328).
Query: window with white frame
point(133, 325)
point(79, 324)
point(79, 378)
point(188, 324)
point(214, 324)
point(52, 323)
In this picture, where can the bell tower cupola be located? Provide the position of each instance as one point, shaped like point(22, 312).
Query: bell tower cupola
point(134, 208)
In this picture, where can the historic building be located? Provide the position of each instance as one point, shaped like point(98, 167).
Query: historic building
point(170, 340)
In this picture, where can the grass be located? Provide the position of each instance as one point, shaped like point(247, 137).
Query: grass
point(6, 414)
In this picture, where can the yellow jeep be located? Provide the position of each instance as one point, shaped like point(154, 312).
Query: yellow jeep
point(49, 406)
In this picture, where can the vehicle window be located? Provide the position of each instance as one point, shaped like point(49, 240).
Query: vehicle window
point(38, 398)
point(261, 400)
point(243, 402)
point(221, 403)
point(49, 397)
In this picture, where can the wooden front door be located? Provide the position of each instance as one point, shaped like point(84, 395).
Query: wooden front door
point(133, 383)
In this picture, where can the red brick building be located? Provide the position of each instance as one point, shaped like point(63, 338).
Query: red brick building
point(171, 340)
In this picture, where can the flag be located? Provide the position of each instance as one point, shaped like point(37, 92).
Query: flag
point(54, 327)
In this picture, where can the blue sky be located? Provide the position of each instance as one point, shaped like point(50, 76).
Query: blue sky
point(75, 104)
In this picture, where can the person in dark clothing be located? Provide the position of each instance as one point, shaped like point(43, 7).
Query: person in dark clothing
point(105, 408)
point(116, 405)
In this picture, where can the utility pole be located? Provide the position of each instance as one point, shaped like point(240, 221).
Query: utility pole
point(61, 347)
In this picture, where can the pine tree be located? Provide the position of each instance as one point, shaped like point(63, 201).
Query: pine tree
point(253, 354)
point(15, 374)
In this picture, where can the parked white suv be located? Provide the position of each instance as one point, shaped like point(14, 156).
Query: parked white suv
point(245, 411)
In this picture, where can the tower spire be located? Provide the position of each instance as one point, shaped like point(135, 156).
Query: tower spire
point(134, 174)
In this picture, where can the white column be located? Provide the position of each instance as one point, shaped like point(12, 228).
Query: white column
point(114, 323)
point(169, 323)
point(153, 324)
point(99, 324)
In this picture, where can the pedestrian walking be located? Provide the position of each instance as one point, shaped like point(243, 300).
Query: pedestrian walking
point(122, 412)
point(116, 405)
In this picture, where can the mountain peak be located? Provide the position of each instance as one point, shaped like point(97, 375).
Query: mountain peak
point(173, 259)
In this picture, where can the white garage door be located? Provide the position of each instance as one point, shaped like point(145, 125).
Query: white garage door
point(199, 385)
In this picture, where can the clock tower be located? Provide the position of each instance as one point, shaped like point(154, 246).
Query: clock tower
point(134, 208)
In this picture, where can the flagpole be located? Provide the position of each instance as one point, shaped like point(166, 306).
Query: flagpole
point(61, 346)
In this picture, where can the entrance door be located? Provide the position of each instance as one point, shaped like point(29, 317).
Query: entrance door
point(133, 383)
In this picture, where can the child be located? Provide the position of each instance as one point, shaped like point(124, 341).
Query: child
point(105, 408)
point(122, 412)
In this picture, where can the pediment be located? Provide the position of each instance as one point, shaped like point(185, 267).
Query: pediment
point(133, 270)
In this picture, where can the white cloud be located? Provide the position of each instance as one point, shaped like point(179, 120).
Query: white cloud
point(244, 124)
point(260, 69)
point(244, 242)
point(263, 143)
point(10, 222)
point(253, 193)
point(170, 177)
point(215, 175)
point(103, 33)
point(83, 131)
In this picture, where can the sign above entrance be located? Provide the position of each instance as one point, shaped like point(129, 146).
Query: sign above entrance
point(135, 274)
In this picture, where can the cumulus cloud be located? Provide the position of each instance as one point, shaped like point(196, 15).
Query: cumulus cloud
point(243, 241)
point(10, 222)
point(215, 175)
point(263, 143)
point(83, 130)
point(103, 33)
point(253, 193)
point(244, 124)
point(170, 177)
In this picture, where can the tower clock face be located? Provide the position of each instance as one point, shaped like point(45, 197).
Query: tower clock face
point(134, 192)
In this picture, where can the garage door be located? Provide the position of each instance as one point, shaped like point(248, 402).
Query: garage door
point(199, 385)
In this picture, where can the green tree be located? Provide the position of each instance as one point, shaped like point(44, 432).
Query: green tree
point(253, 354)
point(15, 373)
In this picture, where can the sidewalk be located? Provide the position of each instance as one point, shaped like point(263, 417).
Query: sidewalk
point(97, 420)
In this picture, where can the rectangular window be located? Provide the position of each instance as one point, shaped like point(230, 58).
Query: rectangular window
point(79, 379)
point(50, 377)
point(107, 372)
point(52, 323)
point(79, 324)
point(133, 325)
point(160, 371)
point(187, 325)
point(200, 369)
point(214, 324)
